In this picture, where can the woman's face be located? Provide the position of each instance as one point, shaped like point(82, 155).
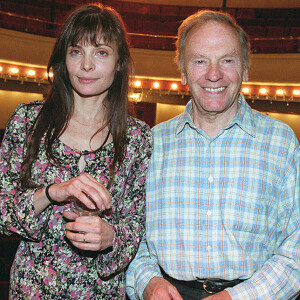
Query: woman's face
point(92, 68)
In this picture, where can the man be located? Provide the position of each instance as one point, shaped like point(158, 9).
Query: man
point(223, 191)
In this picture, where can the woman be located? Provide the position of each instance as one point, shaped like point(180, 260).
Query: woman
point(80, 143)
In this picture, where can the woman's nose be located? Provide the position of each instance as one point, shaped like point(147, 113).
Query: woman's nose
point(87, 64)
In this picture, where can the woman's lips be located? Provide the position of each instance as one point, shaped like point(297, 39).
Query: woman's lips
point(86, 80)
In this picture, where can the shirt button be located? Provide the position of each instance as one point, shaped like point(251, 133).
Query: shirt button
point(209, 212)
point(208, 248)
point(210, 179)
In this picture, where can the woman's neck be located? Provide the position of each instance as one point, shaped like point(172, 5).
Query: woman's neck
point(89, 112)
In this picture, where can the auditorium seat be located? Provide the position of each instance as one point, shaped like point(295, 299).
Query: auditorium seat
point(169, 13)
point(277, 31)
point(255, 31)
point(8, 248)
point(4, 288)
point(169, 28)
point(245, 13)
point(294, 32)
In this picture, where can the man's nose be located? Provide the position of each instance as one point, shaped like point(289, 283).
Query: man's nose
point(214, 73)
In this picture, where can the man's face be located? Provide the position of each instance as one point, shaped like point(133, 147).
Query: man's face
point(213, 69)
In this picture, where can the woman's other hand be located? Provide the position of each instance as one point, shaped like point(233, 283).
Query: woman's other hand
point(88, 232)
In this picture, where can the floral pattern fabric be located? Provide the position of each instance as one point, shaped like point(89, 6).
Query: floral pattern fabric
point(46, 265)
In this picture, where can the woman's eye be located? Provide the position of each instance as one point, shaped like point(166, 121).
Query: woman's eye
point(74, 51)
point(102, 53)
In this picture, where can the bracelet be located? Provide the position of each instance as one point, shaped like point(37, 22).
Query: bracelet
point(48, 196)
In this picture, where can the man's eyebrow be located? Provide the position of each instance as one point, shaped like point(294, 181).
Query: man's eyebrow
point(232, 53)
point(198, 55)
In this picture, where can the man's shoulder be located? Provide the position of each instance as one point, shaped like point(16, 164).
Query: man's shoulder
point(266, 125)
point(265, 120)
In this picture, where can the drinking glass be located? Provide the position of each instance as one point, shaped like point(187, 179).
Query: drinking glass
point(80, 209)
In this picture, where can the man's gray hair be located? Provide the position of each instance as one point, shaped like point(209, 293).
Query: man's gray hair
point(201, 17)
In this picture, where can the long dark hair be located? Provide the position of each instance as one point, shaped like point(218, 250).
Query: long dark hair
point(83, 24)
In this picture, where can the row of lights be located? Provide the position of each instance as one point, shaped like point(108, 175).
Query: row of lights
point(26, 73)
point(161, 84)
point(264, 92)
point(156, 85)
point(245, 90)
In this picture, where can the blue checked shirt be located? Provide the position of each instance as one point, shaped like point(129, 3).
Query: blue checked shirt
point(226, 207)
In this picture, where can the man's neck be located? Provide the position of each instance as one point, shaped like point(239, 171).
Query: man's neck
point(213, 122)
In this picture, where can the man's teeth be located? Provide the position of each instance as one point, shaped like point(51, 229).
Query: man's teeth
point(215, 90)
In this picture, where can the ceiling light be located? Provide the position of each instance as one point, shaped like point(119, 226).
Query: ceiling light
point(263, 91)
point(245, 90)
point(137, 84)
point(156, 85)
point(31, 73)
point(174, 86)
point(14, 70)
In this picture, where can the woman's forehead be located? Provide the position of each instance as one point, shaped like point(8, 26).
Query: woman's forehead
point(88, 40)
point(91, 35)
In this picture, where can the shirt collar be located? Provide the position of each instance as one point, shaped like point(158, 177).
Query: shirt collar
point(243, 118)
point(185, 119)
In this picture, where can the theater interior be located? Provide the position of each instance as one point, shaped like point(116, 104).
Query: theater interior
point(28, 29)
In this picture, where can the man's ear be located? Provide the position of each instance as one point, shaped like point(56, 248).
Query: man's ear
point(245, 75)
point(183, 78)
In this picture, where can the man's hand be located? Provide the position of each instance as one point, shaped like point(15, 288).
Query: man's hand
point(159, 288)
point(219, 296)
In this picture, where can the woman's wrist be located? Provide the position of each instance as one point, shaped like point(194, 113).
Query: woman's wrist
point(51, 200)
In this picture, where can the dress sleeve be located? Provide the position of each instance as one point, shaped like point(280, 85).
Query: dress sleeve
point(279, 277)
point(130, 226)
point(17, 214)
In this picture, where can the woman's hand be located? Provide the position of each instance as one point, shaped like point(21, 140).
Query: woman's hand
point(84, 187)
point(88, 232)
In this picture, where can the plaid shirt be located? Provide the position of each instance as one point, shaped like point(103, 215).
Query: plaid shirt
point(226, 207)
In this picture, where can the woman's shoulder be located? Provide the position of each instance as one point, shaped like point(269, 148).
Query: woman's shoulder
point(136, 125)
point(26, 112)
point(30, 109)
point(21, 120)
point(138, 130)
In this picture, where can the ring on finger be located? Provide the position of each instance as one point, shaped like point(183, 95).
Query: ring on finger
point(84, 237)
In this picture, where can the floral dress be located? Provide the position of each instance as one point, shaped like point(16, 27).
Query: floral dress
point(46, 265)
